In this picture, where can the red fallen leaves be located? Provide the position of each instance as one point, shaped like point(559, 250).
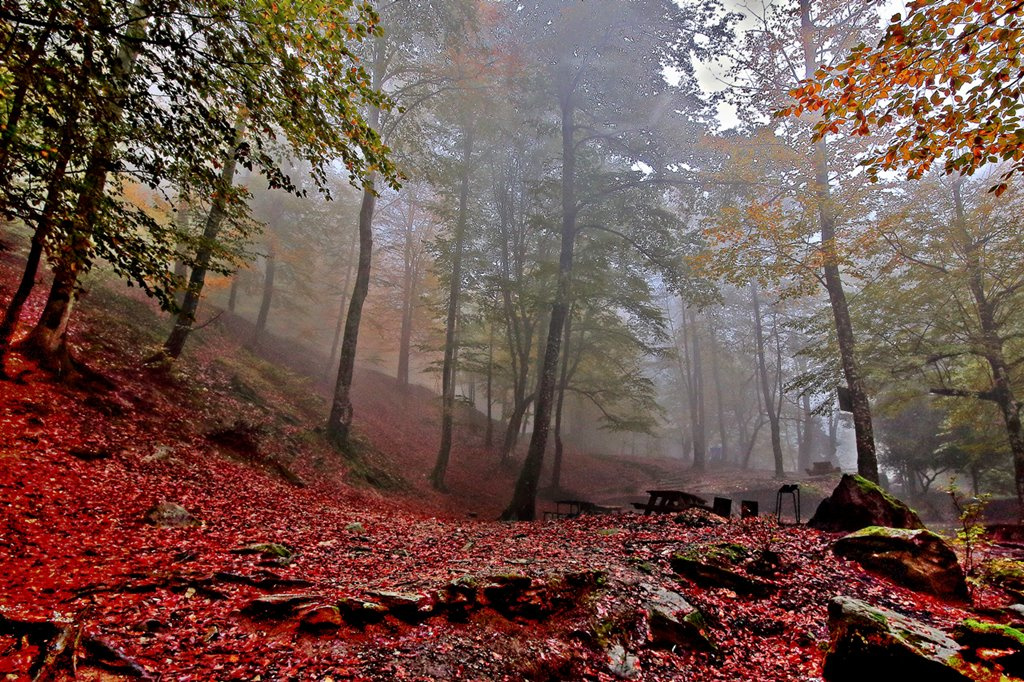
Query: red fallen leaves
point(74, 545)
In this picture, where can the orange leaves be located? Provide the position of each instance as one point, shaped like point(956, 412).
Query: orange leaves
point(949, 67)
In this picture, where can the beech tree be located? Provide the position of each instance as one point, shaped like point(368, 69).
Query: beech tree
point(942, 84)
point(154, 91)
point(950, 300)
point(591, 56)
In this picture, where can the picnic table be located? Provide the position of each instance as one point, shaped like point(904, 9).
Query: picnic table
point(567, 509)
point(667, 501)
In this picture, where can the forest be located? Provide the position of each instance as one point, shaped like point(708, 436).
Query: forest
point(346, 339)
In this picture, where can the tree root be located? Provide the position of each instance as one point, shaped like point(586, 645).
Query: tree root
point(64, 646)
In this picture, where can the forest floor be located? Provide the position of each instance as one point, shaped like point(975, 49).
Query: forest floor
point(382, 579)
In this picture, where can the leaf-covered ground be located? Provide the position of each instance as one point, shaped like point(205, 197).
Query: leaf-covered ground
point(81, 464)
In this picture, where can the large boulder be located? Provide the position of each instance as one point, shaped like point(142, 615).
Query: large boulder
point(868, 642)
point(918, 559)
point(857, 503)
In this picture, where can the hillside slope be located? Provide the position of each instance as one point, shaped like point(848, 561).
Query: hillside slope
point(290, 567)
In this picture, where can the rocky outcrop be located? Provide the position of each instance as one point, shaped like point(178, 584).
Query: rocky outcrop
point(857, 503)
point(868, 642)
point(716, 566)
point(917, 559)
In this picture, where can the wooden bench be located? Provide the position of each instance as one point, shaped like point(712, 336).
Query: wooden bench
point(823, 469)
point(567, 509)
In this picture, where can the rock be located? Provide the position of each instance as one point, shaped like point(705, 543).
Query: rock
point(918, 559)
point(871, 643)
point(992, 644)
point(321, 617)
point(1007, 575)
point(407, 606)
point(622, 663)
point(171, 515)
point(857, 503)
point(355, 527)
point(263, 579)
point(712, 566)
point(279, 605)
point(268, 550)
point(359, 612)
point(674, 622)
point(699, 517)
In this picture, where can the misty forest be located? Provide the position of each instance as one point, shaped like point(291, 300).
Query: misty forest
point(511, 340)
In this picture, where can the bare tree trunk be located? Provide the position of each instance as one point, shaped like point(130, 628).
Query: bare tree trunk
point(523, 504)
point(563, 382)
point(269, 270)
point(762, 368)
point(186, 317)
point(448, 368)
point(340, 420)
point(806, 448)
point(719, 401)
point(867, 459)
point(233, 292)
point(489, 433)
point(697, 412)
point(340, 325)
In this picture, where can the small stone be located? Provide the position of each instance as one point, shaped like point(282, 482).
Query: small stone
point(355, 527)
point(279, 605)
point(622, 663)
point(171, 515)
point(266, 549)
point(321, 617)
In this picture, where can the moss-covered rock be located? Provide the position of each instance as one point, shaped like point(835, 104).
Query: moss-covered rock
point(171, 515)
point(674, 622)
point(872, 643)
point(857, 503)
point(267, 550)
point(1007, 575)
point(918, 559)
point(715, 565)
point(279, 605)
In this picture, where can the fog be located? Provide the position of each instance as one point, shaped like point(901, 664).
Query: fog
point(602, 230)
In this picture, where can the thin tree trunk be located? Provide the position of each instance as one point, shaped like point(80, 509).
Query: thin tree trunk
point(563, 382)
point(48, 338)
point(44, 228)
point(697, 414)
point(762, 368)
point(489, 433)
point(339, 421)
point(867, 459)
point(522, 507)
point(186, 317)
point(340, 325)
point(448, 368)
point(719, 401)
point(408, 297)
point(269, 271)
